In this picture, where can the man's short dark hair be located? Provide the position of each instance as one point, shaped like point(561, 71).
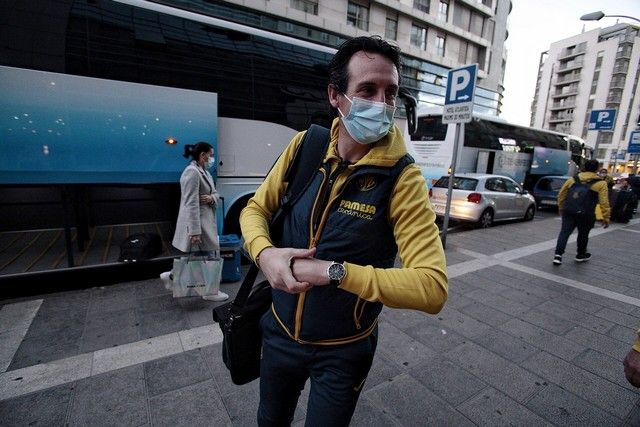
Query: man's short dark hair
point(338, 71)
point(591, 165)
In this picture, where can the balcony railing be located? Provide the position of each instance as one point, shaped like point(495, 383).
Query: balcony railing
point(570, 65)
point(568, 78)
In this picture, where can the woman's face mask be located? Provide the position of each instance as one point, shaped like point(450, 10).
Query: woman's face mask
point(368, 121)
point(211, 162)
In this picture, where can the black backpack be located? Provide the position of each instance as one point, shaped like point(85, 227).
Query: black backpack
point(581, 199)
point(140, 247)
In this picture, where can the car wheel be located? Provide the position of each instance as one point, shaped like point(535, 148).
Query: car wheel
point(486, 219)
point(530, 213)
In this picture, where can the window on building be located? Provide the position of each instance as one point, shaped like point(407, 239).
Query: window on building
point(308, 6)
point(391, 28)
point(443, 10)
point(440, 43)
point(599, 60)
point(419, 36)
point(604, 137)
point(477, 24)
point(358, 15)
point(422, 5)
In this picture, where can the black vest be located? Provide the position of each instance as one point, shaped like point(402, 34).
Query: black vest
point(354, 228)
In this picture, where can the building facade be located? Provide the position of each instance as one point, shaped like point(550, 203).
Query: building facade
point(434, 35)
point(595, 70)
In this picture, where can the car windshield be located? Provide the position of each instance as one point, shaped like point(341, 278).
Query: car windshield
point(459, 183)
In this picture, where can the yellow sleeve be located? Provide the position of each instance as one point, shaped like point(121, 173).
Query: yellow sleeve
point(255, 217)
point(562, 194)
point(636, 345)
point(422, 282)
point(603, 199)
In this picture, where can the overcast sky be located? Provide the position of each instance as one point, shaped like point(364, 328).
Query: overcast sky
point(533, 26)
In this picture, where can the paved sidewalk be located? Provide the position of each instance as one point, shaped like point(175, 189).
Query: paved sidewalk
point(519, 342)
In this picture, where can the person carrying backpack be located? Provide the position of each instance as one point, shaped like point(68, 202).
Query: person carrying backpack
point(577, 200)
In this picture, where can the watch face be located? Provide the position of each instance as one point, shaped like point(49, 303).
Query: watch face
point(336, 271)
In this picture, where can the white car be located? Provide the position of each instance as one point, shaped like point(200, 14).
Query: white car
point(482, 198)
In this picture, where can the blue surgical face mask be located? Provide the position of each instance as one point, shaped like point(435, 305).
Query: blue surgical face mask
point(368, 121)
point(211, 162)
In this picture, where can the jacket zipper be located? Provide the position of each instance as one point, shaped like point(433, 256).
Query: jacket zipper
point(325, 192)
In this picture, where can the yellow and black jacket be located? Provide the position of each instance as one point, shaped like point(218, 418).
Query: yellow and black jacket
point(362, 214)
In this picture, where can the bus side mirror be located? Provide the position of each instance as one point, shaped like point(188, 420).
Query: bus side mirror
point(410, 104)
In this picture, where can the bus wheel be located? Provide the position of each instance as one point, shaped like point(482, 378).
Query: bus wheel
point(530, 213)
point(486, 219)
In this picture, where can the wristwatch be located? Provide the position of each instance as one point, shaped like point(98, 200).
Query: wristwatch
point(336, 273)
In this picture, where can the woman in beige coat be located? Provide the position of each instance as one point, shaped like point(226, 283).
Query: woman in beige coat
point(196, 228)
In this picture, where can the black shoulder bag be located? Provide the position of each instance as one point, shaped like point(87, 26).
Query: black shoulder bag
point(239, 320)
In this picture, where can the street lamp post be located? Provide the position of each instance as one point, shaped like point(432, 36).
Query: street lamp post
point(596, 16)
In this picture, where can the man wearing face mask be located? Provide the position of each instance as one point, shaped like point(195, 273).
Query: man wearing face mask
point(333, 268)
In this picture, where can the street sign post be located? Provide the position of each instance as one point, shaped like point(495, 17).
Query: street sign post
point(458, 109)
point(458, 102)
point(602, 119)
point(634, 143)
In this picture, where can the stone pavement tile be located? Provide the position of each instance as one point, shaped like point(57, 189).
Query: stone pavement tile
point(505, 345)
point(402, 318)
point(485, 314)
point(46, 348)
point(113, 398)
point(402, 349)
point(242, 406)
point(523, 297)
point(157, 304)
point(150, 288)
point(633, 419)
point(53, 322)
point(112, 320)
point(498, 372)
point(432, 333)
point(579, 300)
point(177, 371)
point(42, 408)
point(454, 257)
point(447, 380)
point(483, 281)
point(112, 298)
point(72, 301)
point(196, 405)
point(98, 339)
point(542, 339)
point(596, 341)
point(564, 408)
point(548, 321)
point(456, 298)
point(161, 323)
point(579, 317)
point(603, 366)
point(368, 414)
point(498, 302)
point(419, 407)
point(462, 324)
point(624, 334)
point(606, 395)
point(381, 371)
point(492, 408)
point(619, 318)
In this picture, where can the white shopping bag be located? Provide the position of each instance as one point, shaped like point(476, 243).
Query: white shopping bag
point(196, 276)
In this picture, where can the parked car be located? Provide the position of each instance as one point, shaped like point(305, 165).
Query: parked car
point(482, 199)
point(546, 190)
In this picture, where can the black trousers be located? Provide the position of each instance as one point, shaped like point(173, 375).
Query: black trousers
point(584, 224)
point(337, 376)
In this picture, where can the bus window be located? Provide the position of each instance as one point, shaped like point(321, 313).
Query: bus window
point(430, 128)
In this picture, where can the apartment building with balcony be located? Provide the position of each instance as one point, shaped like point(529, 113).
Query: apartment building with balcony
point(434, 35)
point(595, 70)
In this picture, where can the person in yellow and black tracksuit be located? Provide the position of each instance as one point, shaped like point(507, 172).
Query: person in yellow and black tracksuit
point(333, 268)
point(585, 220)
point(631, 363)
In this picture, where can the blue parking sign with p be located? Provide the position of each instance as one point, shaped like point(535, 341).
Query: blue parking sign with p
point(460, 84)
point(602, 119)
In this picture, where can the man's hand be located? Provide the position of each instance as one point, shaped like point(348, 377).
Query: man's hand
point(274, 263)
point(632, 367)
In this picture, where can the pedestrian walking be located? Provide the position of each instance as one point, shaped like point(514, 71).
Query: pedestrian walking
point(196, 228)
point(631, 363)
point(577, 200)
point(332, 269)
